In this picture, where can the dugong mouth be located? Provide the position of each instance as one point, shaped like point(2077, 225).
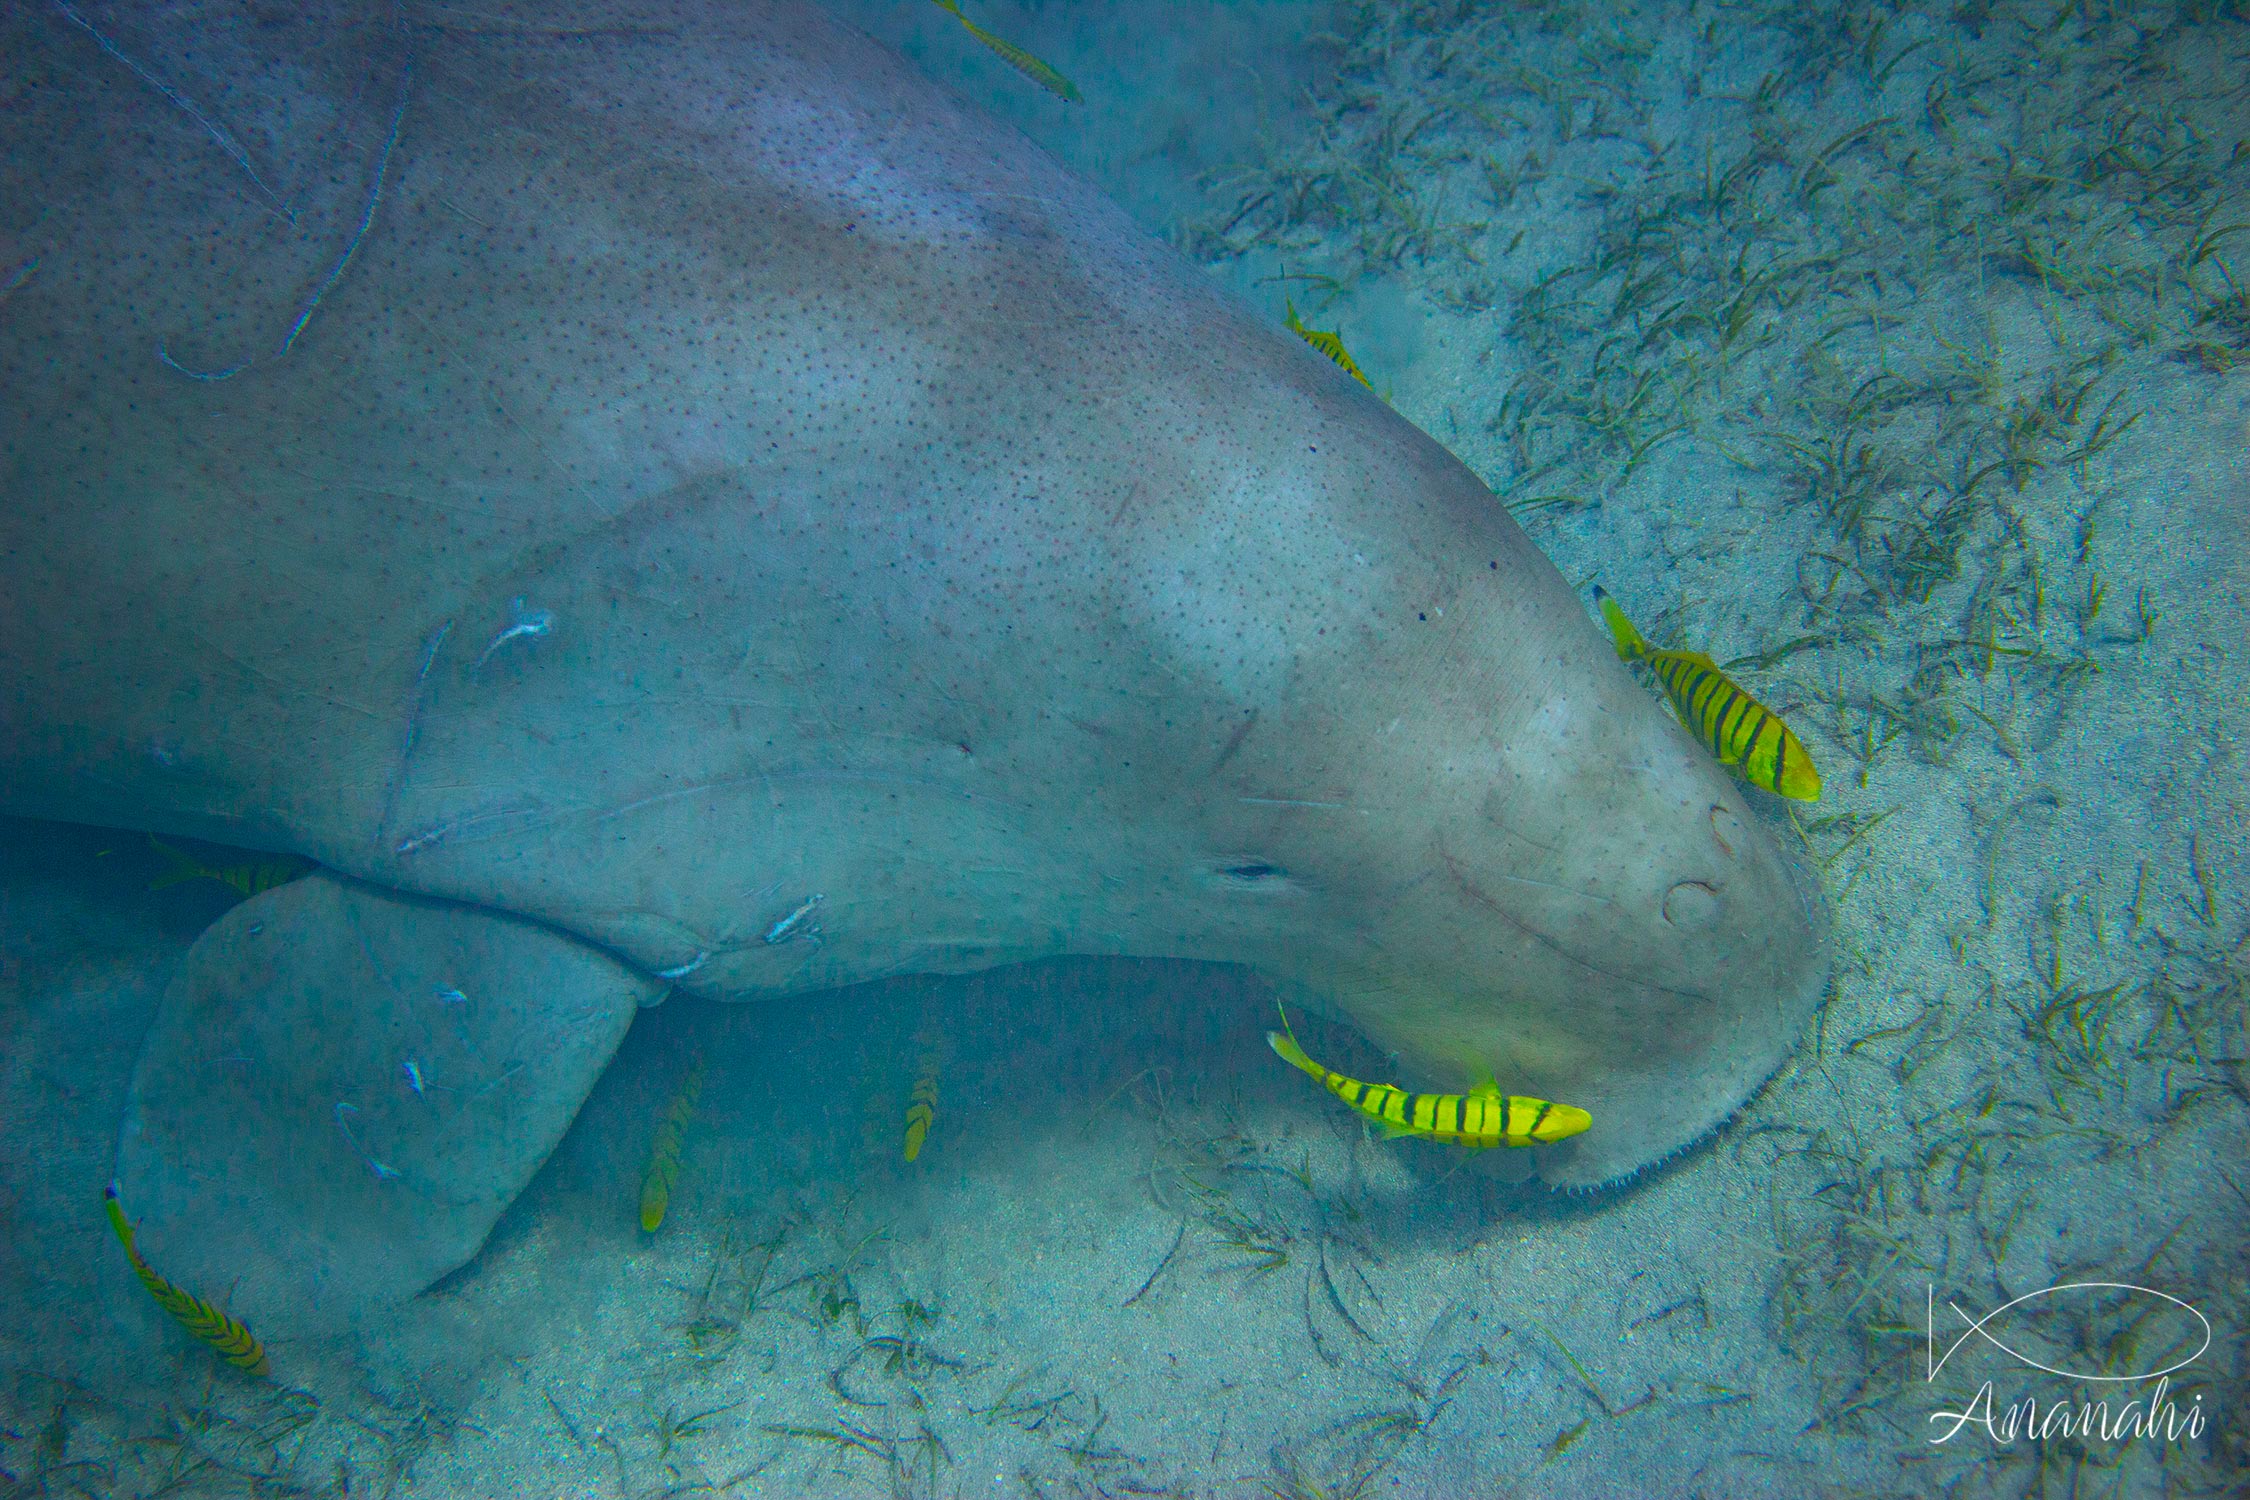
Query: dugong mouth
point(1678, 1060)
point(1658, 1013)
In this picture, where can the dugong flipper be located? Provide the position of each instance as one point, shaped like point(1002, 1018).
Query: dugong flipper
point(345, 1086)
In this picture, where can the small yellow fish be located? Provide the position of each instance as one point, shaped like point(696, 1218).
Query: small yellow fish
point(1481, 1117)
point(1739, 730)
point(235, 1344)
point(921, 1106)
point(1022, 61)
point(249, 877)
point(664, 1151)
point(1323, 340)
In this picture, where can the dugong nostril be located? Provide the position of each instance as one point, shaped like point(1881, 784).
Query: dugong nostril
point(1726, 828)
point(1691, 906)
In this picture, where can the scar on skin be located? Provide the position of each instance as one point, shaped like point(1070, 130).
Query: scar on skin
point(525, 622)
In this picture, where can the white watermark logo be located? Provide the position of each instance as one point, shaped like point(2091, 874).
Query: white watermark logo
point(2155, 1417)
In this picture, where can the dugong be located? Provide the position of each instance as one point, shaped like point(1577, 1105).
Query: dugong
point(667, 497)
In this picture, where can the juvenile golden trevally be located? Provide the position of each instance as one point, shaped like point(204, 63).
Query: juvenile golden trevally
point(234, 1342)
point(1482, 1117)
point(1023, 62)
point(921, 1108)
point(250, 876)
point(664, 1149)
point(1742, 732)
point(1326, 341)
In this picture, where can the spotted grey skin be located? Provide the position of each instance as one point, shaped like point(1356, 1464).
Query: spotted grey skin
point(641, 473)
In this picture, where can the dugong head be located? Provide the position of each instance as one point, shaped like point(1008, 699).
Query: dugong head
point(1414, 781)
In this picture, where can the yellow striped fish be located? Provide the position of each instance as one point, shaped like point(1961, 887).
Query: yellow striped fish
point(235, 1344)
point(1323, 340)
point(1482, 1117)
point(1022, 61)
point(921, 1106)
point(1738, 729)
point(249, 876)
point(664, 1151)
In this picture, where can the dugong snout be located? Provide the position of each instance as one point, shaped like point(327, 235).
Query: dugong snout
point(1661, 988)
point(1595, 915)
point(1695, 992)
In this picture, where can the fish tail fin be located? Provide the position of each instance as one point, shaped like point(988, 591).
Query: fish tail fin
point(124, 1228)
point(1630, 644)
point(122, 1225)
point(1284, 1044)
